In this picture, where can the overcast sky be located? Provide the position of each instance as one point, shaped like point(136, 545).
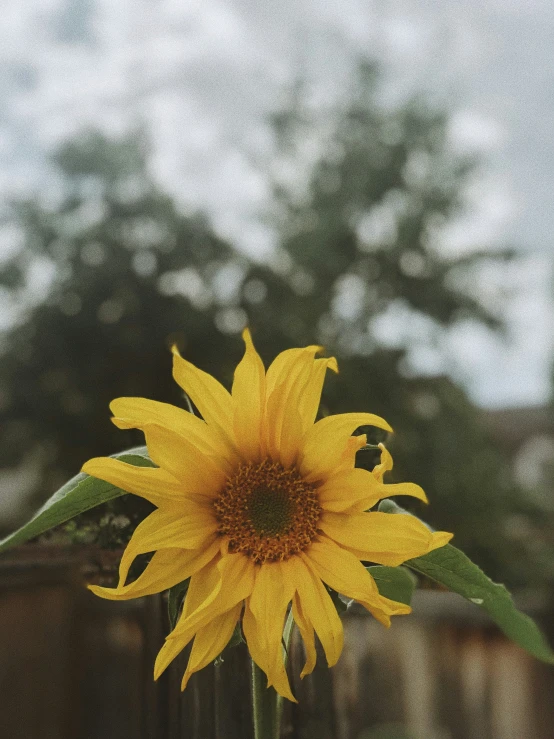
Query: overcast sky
point(203, 74)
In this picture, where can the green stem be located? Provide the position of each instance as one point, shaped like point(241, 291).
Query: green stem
point(267, 704)
point(265, 708)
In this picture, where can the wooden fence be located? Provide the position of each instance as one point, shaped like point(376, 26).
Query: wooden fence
point(73, 666)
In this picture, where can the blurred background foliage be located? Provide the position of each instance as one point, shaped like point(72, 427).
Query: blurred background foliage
point(361, 194)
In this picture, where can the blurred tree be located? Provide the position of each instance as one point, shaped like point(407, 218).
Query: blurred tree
point(125, 275)
point(362, 251)
point(364, 228)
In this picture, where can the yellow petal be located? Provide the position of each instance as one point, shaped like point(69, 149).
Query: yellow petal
point(225, 585)
point(272, 593)
point(268, 603)
point(357, 490)
point(236, 574)
point(349, 488)
point(249, 401)
point(137, 412)
point(156, 485)
point(292, 433)
point(301, 409)
point(294, 380)
point(166, 568)
point(348, 458)
point(203, 587)
point(385, 465)
point(318, 609)
point(198, 473)
point(402, 488)
point(208, 395)
point(287, 365)
point(210, 641)
point(343, 572)
point(327, 441)
point(385, 608)
point(307, 632)
point(266, 660)
point(255, 639)
point(194, 528)
point(388, 490)
point(311, 398)
point(385, 538)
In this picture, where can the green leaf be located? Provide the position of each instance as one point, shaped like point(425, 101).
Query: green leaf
point(79, 494)
point(389, 506)
point(175, 596)
point(450, 567)
point(396, 583)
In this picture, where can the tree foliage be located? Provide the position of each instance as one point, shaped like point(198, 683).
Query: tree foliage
point(131, 275)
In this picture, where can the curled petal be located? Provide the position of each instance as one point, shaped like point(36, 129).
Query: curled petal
point(385, 465)
point(351, 488)
point(327, 442)
point(356, 490)
point(388, 490)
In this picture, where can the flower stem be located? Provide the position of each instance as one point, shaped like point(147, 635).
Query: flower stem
point(267, 704)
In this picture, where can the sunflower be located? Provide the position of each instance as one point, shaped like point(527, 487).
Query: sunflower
point(262, 508)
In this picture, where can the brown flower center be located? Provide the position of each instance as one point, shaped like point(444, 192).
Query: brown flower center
point(268, 512)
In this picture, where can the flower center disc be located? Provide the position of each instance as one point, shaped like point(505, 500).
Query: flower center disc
point(268, 512)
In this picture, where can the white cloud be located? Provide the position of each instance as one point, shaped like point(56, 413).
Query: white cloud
point(203, 74)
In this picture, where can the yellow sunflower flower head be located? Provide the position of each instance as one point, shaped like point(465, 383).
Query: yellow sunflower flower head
point(261, 507)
